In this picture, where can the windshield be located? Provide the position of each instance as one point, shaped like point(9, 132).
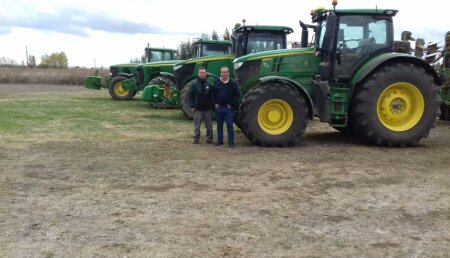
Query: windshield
point(167, 55)
point(215, 49)
point(155, 56)
point(264, 41)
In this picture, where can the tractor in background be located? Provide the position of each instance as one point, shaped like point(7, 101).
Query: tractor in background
point(350, 78)
point(160, 87)
point(121, 75)
point(246, 39)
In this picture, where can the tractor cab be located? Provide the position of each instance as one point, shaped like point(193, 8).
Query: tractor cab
point(159, 54)
point(250, 39)
point(204, 48)
point(346, 39)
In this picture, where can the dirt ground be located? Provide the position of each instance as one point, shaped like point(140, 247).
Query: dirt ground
point(164, 197)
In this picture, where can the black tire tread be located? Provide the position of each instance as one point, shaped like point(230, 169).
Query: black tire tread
point(368, 90)
point(113, 95)
point(251, 97)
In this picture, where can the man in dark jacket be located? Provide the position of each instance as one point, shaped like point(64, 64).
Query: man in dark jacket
point(201, 103)
point(226, 96)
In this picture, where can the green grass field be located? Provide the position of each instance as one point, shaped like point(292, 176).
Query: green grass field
point(84, 114)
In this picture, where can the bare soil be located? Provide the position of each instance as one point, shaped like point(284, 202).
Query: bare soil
point(162, 196)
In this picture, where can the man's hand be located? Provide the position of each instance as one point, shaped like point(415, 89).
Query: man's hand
point(217, 106)
point(228, 106)
point(192, 110)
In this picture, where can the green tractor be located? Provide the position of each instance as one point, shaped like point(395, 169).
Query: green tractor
point(246, 39)
point(160, 87)
point(120, 83)
point(349, 77)
point(445, 75)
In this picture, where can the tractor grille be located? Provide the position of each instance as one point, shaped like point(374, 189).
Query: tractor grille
point(182, 73)
point(114, 71)
point(140, 76)
point(247, 71)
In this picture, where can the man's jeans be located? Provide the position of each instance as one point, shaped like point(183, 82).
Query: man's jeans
point(200, 116)
point(223, 113)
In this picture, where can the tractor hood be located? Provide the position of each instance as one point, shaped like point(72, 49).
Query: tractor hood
point(124, 65)
point(160, 63)
point(274, 53)
point(203, 59)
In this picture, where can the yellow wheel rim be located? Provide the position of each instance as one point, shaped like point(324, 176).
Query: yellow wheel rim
point(119, 90)
point(167, 90)
point(275, 116)
point(400, 106)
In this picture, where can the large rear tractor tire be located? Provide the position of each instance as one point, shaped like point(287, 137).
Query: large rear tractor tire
point(184, 100)
point(117, 92)
point(167, 84)
point(396, 106)
point(273, 115)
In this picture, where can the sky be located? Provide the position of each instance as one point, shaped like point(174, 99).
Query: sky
point(101, 33)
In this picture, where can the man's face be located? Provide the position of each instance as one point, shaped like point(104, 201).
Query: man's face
point(224, 74)
point(202, 74)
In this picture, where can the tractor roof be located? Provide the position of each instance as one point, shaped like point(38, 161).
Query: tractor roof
point(285, 29)
point(161, 49)
point(321, 13)
point(377, 11)
point(216, 42)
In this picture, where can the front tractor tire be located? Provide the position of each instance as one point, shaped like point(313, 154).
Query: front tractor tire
point(396, 106)
point(168, 85)
point(184, 100)
point(273, 115)
point(117, 92)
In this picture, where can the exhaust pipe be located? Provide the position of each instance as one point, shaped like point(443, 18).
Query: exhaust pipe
point(304, 42)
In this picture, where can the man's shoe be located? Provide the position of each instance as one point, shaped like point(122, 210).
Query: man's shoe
point(210, 142)
point(195, 142)
point(218, 143)
point(231, 145)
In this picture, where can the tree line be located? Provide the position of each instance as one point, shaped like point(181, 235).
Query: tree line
point(56, 60)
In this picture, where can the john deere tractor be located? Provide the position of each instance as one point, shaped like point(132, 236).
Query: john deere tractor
point(120, 82)
point(160, 87)
point(350, 78)
point(246, 39)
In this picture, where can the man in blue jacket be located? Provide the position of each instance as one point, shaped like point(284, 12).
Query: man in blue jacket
point(201, 103)
point(225, 97)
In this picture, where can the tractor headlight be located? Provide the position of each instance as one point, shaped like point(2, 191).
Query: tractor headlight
point(176, 67)
point(237, 65)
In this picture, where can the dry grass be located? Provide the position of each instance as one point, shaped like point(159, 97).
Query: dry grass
point(82, 175)
point(70, 76)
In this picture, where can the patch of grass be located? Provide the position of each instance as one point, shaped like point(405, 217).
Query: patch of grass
point(86, 113)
